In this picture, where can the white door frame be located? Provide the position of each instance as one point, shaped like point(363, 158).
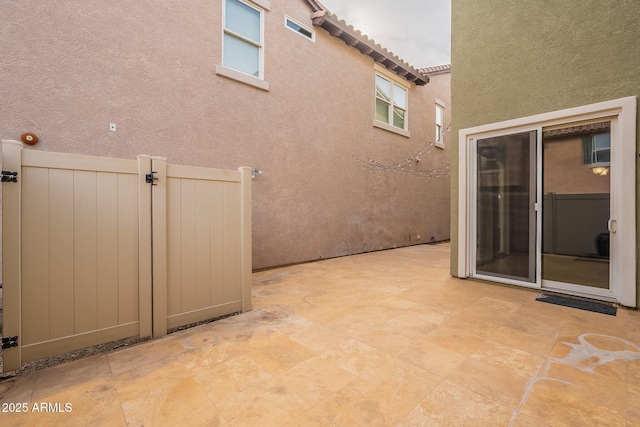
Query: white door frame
point(535, 242)
point(622, 113)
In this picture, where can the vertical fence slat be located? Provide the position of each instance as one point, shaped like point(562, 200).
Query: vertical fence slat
point(188, 238)
point(217, 243)
point(129, 257)
point(231, 245)
point(174, 247)
point(203, 244)
point(85, 256)
point(11, 253)
point(36, 275)
point(107, 249)
point(57, 192)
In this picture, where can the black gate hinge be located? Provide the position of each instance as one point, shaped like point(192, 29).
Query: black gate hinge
point(150, 178)
point(8, 176)
point(9, 342)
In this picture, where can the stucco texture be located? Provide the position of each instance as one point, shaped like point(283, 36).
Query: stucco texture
point(332, 184)
point(516, 59)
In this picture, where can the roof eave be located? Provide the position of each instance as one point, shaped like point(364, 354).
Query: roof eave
point(354, 38)
point(438, 69)
point(316, 5)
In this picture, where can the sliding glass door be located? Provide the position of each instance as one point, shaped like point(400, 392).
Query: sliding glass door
point(576, 166)
point(505, 211)
point(549, 201)
point(572, 172)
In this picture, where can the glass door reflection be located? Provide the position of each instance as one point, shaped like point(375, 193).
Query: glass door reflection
point(505, 211)
point(576, 205)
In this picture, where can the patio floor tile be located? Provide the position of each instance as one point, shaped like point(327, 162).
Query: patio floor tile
point(379, 339)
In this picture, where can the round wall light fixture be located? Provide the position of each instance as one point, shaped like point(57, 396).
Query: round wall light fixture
point(29, 138)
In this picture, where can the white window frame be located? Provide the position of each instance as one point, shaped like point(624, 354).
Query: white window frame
point(382, 72)
point(260, 6)
point(594, 159)
point(622, 113)
point(288, 19)
point(439, 126)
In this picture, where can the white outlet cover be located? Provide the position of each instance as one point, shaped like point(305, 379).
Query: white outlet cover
point(112, 127)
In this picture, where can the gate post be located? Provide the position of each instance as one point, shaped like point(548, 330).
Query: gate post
point(159, 251)
point(245, 237)
point(144, 247)
point(11, 255)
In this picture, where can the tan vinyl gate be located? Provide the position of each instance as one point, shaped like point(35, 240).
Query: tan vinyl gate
point(97, 249)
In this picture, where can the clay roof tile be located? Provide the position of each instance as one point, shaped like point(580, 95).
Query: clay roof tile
point(339, 28)
point(437, 69)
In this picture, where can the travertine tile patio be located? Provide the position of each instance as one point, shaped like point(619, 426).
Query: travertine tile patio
point(380, 339)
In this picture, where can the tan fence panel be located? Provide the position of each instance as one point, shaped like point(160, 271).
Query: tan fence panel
point(94, 253)
point(205, 260)
point(79, 251)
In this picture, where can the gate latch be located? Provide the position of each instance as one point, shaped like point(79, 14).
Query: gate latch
point(150, 178)
point(9, 342)
point(8, 176)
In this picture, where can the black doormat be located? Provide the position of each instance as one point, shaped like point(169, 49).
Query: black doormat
point(596, 307)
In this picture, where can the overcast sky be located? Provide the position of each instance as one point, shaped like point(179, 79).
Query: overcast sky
point(418, 31)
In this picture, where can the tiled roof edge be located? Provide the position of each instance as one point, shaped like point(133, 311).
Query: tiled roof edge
point(437, 69)
point(316, 5)
point(352, 37)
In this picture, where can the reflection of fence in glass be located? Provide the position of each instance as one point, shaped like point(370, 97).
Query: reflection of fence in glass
point(576, 205)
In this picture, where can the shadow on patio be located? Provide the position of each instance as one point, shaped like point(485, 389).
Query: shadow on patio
point(385, 338)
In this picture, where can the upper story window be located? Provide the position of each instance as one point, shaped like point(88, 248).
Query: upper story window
point(243, 38)
point(297, 27)
point(439, 123)
point(391, 102)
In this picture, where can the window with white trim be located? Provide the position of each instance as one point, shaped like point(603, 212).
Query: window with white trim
point(391, 102)
point(439, 123)
point(243, 38)
point(297, 27)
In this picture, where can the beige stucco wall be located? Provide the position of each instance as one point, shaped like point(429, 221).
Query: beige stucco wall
point(515, 59)
point(70, 69)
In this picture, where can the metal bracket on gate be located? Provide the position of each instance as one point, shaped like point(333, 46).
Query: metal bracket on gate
point(8, 176)
point(150, 178)
point(9, 342)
